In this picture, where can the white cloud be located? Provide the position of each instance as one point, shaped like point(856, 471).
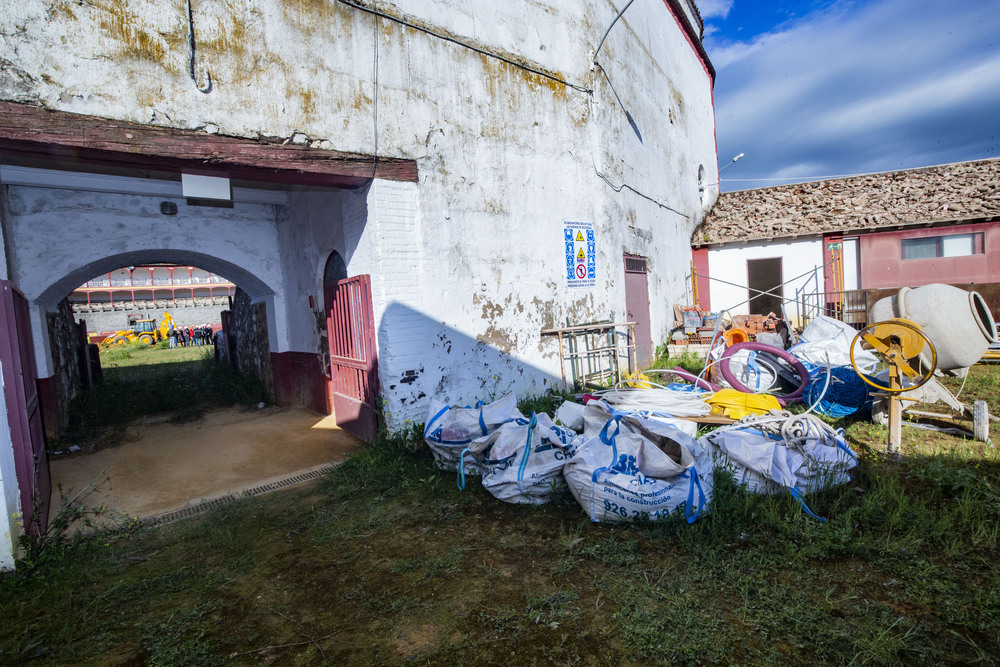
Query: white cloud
point(714, 8)
point(885, 85)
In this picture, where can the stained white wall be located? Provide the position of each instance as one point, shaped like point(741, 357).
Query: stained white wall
point(801, 265)
point(10, 527)
point(9, 490)
point(468, 262)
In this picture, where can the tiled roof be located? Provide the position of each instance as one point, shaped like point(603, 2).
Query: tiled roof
point(943, 193)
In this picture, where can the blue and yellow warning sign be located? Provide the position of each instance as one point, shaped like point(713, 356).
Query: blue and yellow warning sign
point(581, 254)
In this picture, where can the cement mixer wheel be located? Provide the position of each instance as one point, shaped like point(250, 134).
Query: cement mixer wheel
point(895, 342)
point(980, 421)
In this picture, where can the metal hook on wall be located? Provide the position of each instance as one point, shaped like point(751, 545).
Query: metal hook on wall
point(191, 57)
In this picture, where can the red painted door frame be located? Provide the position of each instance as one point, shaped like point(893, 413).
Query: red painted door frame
point(17, 355)
point(350, 325)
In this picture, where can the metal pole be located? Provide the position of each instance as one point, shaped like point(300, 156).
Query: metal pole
point(562, 361)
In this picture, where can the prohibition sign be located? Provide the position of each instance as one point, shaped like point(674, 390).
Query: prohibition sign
point(581, 271)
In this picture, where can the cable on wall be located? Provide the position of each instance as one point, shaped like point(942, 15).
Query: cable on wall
point(375, 18)
point(207, 88)
point(608, 31)
point(454, 40)
point(626, 186)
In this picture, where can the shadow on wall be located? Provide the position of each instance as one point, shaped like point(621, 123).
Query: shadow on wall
point(420, 358)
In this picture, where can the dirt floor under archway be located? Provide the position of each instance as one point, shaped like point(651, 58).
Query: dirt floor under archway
point(163, 466)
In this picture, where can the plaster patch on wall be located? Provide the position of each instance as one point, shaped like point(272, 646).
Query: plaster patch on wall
point(16, 82)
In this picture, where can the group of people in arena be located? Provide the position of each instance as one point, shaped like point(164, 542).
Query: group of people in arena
point(187, 336)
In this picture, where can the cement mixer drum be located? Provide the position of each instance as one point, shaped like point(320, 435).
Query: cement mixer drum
point(958, 323)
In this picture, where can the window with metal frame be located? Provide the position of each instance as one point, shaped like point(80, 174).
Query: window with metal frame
point(951, 245)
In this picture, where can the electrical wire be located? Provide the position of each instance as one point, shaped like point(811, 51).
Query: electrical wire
point(375, 92)
point(207, 88)
point(454, 40)
point(626, 186)
point(608, 31)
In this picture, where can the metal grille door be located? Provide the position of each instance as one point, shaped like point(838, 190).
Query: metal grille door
point(23, 413)
point(350, 325)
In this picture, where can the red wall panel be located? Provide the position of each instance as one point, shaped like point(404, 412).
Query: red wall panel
point(299, 380)
point(882, 265)
point(700, 259)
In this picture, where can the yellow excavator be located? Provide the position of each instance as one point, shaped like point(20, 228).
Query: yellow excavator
point(143, 331)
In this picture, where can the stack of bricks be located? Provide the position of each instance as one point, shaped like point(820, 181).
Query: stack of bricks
point(752, 324)
point(704, 336)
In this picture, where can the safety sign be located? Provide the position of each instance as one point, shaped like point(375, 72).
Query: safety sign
point(581, 254)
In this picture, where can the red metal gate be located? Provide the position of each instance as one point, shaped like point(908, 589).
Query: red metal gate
point(350, 325)
point(17, 355)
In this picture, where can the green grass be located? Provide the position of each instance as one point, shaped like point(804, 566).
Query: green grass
point(689, 361)
point(141, 380)
point(385, 561)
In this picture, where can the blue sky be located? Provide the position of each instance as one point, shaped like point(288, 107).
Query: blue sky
point(820, 88)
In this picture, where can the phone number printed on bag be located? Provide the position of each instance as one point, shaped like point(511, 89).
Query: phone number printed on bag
point(581, 254)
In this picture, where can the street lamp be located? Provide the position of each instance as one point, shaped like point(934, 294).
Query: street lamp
point(732, 161)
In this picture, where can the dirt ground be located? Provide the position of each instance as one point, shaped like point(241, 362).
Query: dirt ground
point(163, 466)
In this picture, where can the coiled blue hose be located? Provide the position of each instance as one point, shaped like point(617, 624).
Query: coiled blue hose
point(847, 395)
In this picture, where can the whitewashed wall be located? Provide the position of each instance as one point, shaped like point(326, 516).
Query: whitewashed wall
point(62, 238)
point(467, 263)
point(10, 527)
point(9, 489)
point(729, 263)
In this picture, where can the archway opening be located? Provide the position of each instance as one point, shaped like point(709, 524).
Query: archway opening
point(175, 392)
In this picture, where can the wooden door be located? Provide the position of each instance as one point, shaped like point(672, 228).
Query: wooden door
point(17, 356)
point(637, 309)
point(350, 325)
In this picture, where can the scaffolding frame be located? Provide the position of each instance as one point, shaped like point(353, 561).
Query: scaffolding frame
point(595, 351)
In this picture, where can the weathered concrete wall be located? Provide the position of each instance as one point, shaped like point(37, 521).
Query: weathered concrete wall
point(467, 263)
point(10, 527)
point(943, 193)
point(249, 341)
point(65, 382)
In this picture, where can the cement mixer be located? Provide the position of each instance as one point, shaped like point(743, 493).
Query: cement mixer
point(960, 328)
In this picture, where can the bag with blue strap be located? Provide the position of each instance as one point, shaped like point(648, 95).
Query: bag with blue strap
point(639, 469)
point(450, 428)
point(522, 461)
point(781, 452)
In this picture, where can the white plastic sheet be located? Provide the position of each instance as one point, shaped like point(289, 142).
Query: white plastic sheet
point(826, 342)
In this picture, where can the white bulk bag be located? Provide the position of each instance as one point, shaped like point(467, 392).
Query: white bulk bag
point(808, 457)
point(622, 475)
point(597, 413)
point(450, 429)
point(522, 461)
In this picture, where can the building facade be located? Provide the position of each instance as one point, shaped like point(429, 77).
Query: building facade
point(445, 149)
point(906, 228)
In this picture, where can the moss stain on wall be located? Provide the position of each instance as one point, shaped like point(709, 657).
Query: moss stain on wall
point(123, 27)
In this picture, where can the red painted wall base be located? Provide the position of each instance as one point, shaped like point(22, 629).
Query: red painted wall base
point(299, 381)
point(48, 403)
